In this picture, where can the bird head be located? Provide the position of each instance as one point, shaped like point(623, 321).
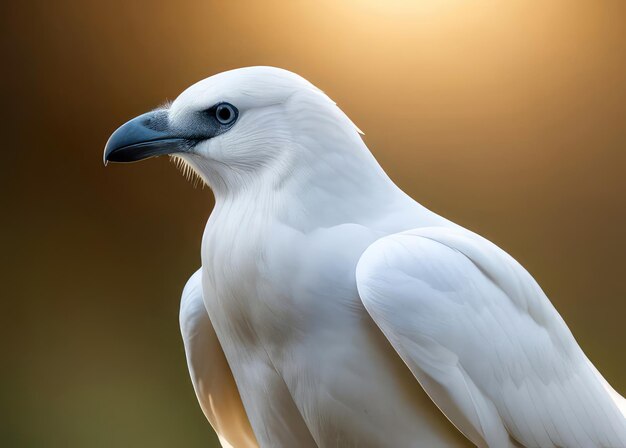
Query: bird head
point(241, 128)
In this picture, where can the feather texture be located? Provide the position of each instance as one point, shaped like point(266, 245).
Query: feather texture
point(485, 343)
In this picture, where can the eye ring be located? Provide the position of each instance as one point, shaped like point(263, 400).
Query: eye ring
point(226, 113)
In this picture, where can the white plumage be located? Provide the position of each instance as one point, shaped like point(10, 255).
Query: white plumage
point(214, 384)
point(333, 310)
point(483, 340)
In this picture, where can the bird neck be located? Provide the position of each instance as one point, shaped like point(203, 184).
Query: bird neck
point(322, 189)
point(324, 176)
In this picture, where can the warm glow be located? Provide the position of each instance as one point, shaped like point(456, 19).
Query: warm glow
point(506, 116)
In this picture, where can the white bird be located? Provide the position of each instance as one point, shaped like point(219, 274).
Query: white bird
point(333, 310)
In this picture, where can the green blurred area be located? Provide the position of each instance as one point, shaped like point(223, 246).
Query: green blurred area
point(506, 118)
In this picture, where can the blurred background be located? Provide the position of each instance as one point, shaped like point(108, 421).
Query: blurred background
point(506, 117)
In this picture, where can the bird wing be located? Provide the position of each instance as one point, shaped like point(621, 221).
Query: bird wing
point(211, 376)
point(485, 343)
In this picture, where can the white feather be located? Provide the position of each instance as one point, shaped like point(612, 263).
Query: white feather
point(484, 341)
point(210, 375)
point(299, 199)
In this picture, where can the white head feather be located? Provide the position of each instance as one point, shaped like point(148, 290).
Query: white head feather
point(285, 124)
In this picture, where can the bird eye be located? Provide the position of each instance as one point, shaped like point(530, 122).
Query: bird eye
point(226, 113)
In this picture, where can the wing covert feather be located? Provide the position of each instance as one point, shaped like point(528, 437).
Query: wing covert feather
point(485, 342)
point(210, 373)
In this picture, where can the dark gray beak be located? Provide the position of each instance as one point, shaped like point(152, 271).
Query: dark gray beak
point(148, 135)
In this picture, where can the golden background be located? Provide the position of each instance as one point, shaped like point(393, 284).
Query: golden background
point(508, 117)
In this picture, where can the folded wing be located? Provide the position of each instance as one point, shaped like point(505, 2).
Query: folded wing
point(210, 374)
point(485, 342)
